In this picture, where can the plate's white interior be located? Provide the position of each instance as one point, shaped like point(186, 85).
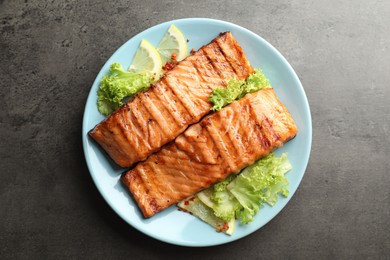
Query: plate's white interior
point(171, 225)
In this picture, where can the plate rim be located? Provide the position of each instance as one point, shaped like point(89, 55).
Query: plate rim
point(307, 111)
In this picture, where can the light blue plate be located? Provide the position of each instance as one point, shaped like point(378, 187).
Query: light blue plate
point(171, 225)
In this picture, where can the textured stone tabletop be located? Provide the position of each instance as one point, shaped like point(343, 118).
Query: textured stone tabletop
point(51, 52)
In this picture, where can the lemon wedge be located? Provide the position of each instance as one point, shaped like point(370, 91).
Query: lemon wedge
point(146, 59)
point(202, 211)
point(172, 42)
point(205, 197)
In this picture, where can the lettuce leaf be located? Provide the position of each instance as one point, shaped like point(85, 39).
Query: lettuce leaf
point(118, 85)
point(241, 196)
point(225, 204)
point(261, 182)
point(224, 96)
point(236, 89)
point(256, 81)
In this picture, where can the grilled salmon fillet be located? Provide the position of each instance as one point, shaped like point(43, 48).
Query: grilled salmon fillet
point(207, 152)
point(181, 98)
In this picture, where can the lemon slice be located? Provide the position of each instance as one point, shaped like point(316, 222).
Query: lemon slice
point(172, 42)
point(146, 59)
point(202, 211)
point(205, 197)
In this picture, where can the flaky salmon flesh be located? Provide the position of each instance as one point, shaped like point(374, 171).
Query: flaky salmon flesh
point(181, 98)
point(207, 152)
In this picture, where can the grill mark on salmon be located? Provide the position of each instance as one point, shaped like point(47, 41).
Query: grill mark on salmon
point(203, 80)
point(218, 72)
point(235, 139)
point(178, 99)
point(162, 119)
point(145, 120)
point(125, 131)
point(220, 143)
point(135, 130)
point(130, 128)
point(219, 63)
point(181, 98)
point(198, 143)
point(183, 95)
point(110, 144)
point(207, 152)
point(246, 130)
point(228, 60)
point(229, 53)
point(117, 133)
point(182, 117)
point(206, 71)
point(170, 110)
point(266, 136)
point(257, 124)
point(195, 87)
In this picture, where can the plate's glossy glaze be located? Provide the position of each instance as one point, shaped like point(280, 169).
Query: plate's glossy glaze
point(171, 225)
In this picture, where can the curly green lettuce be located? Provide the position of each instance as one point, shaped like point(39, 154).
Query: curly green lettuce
point(236, 89)
point(260, 183)
point(118, 85)
point(225, 204)
point(241, 196)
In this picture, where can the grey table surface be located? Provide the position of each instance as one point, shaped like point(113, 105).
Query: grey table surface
point(51, 52)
